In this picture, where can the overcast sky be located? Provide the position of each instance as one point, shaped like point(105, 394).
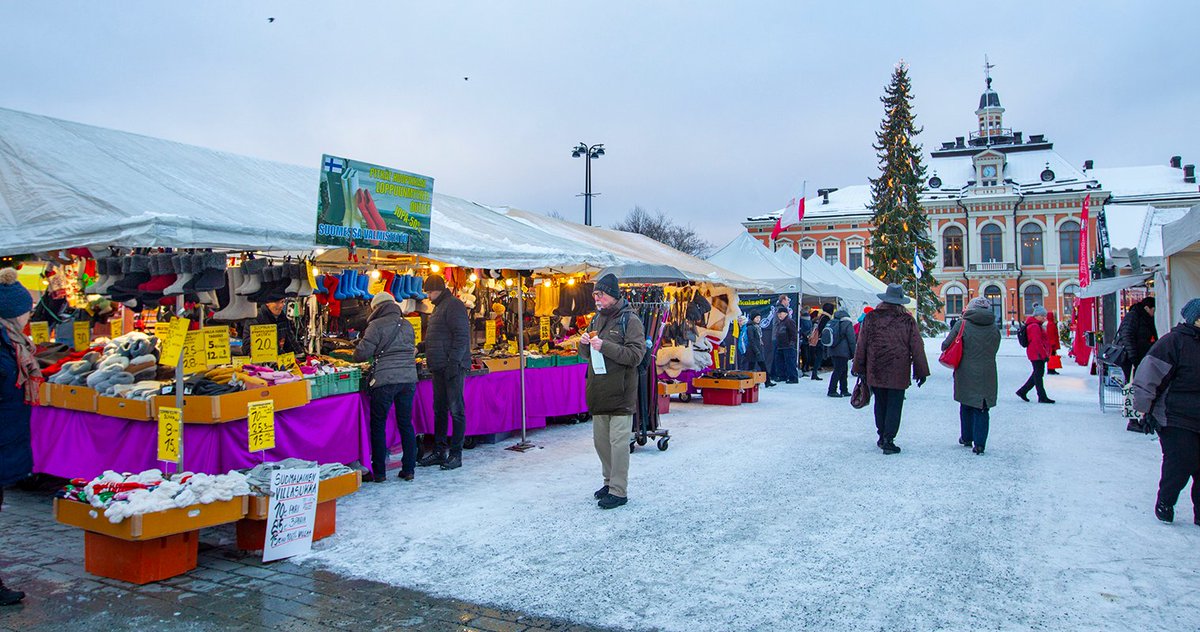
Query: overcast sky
point(709, 111)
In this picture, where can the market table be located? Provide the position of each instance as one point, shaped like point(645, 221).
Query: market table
point(75, 444)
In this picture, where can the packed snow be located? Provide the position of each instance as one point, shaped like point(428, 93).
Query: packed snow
point(784, 515)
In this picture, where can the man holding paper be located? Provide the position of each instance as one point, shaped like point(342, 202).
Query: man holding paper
point(613, 344)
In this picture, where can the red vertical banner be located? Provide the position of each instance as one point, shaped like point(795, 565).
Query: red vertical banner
point(1084, 307)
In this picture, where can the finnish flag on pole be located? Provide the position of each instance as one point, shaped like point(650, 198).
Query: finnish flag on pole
point(918, 266)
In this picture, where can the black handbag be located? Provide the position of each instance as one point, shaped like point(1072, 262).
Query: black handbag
point(1113, 354)
point(861, 395)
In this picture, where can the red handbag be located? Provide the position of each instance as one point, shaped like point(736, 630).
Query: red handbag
point(952, 356)
point(1054, 362)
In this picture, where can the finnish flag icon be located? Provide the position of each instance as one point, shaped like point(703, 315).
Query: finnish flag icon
point(334, 165)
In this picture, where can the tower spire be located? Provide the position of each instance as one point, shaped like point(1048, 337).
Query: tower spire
point(987, 70)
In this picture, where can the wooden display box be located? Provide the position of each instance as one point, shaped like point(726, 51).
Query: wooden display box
point(672, 388)
point(138, 409)
point(79, 398)
point(202, 409)
point(152, 525)
point(722, 383)
point(330, 489)
point(760, 377)
point(496, 365)
point(44, 395)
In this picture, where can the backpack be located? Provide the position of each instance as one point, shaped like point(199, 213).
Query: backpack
point(814, 336)
point(827, 334)
point(1022, 335)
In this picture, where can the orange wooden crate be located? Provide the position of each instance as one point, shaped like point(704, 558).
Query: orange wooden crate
point(152, 525)
point(140, 562)
point(329, 489)
point(760, 377)
point(672, 388)
point(722, 383)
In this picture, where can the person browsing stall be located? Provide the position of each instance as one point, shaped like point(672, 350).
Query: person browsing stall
point(20, 377)
point(448, 356)
point(613, 345)
point(389, 343)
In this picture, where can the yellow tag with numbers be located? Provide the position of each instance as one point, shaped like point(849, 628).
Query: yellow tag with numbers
point(83, 336)
point(264, 343)
point(489, 333)
point(544, 328)
point(173, 335)
point(170, 434)
point(40, 332)
point(116, 327)
point(260, 422)
point(216, 346)
point(415, 321)
point(194, 356)
point(287, 362)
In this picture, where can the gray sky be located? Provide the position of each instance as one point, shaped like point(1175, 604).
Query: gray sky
point(709, 111)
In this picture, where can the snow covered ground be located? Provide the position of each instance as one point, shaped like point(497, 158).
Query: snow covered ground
point(784, 515)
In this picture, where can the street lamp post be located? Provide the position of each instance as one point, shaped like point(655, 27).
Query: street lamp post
point(588, 152)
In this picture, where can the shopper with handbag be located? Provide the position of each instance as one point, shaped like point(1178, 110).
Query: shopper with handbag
point(975, 376)
point(1166, 388)
point(389, 343)
point(1038, 353)
point(20, 378)
point(1053, 363)
point(890, 355)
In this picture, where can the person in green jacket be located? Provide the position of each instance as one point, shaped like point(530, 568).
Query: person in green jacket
point(975, 378)
point(613, 344)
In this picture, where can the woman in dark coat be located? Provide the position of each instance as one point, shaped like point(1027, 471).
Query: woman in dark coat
point(890, 353)
point(975, 377)
point(1137, 333)
point(755, 357)
point(842, 349)
point(20, 377)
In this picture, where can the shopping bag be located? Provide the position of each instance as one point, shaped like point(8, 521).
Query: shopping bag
point(1054, 363)
point(861, 395)
point(1127, 409)
point(952, 356)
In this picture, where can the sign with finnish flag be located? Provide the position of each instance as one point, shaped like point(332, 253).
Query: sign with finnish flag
point(369, 206)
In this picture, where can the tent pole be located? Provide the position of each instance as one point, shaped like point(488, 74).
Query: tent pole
point(524, 444)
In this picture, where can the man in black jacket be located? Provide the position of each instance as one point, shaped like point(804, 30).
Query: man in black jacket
point(785, 346)
point(1137, 333)
point(448, 356)
point(273, 314)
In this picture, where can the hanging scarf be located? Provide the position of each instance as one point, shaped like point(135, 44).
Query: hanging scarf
point(29, 373)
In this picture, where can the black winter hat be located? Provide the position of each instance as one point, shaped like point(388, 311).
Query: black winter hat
point(1148, 302)
point(433, 283)
point(608, 284)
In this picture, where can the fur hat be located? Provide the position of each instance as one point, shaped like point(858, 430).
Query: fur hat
point(980, 302)
point(1038, 310)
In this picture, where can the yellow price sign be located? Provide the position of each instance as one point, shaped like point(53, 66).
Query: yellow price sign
point(512, 347)
point(173, 340)
point(260, 425)
point(489, 333)
point(544, 328)
point(312, 277)
point(40, 332)
point(83, 335)
point(170, 434)
point(415, 321)
point(239, 361)
point(216, 346)
point(194, 357)
point(287, 362)
point(264, 343)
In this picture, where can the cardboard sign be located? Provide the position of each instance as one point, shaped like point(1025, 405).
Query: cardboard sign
point(489, 333)
point(83, 336)
point(194, 356)
point(415, 321)
point(116, 327)
point(291, 513)
point(170, 434)
point(39, 331)
point(261, 425)
point(173, 335)
point(264, 343)
point(216, 346)
point(544, 327)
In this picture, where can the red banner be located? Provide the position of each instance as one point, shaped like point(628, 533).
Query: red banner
point(1084, 308)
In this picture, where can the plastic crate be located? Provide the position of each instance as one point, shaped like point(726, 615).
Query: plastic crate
point(567, 360)
point(344, 382)
point(539, 363)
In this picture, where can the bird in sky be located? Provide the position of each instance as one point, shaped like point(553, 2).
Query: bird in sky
point(269, 20)
point(466, 78)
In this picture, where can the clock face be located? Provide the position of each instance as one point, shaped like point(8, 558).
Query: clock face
point(989, 171)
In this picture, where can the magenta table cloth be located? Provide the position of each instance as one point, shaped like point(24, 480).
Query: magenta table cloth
point(75, 444)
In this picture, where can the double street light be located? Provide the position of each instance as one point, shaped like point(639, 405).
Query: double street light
point(588, 152)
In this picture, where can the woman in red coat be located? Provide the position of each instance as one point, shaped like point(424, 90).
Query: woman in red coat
point(1052, 336)
point(1038, 353)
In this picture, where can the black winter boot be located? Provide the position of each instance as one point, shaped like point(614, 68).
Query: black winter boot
point(1164, 512)
point(890, 447)
point(9, 597)
point(601, 493)
point(453, 462)
point(437, 457)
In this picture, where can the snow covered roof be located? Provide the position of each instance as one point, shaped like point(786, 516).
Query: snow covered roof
point(851, 200)
point(1148, 181)
point(817, 279)
point(1024, 168)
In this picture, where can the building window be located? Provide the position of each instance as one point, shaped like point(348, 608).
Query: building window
point(1032, 298)
point(991, 244)
point(993, 294)
point(952, 248)
point(954, 301)
point(831, 254)
point(1031, 245)
point(1068, 302)
point(855, 255)
point(1068, 243)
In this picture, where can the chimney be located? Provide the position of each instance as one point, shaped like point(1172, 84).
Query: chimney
point(1018, 138)
point(1087, 165)
point(948, 145)
point(824, 193)
point(1189, 174)
point(1176, 161)
point(1037, 138)
point(958, 141)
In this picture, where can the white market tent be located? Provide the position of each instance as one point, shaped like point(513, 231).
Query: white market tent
point(851, 289)
point(1178, 281)
point(815, 280)
point(747, 256)
point(871, 280)
point(65, 184)
point(632, 248)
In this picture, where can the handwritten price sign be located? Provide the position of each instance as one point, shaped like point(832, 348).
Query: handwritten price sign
point(415, 321)
point(170, 434)
point(261, 425)
point(173, 340)
point(193, 352)
point(40, 332)
point(264, 343)
point(83, 336)
point(489, 333)
point(544, 328)
point(216, 346)
point(116, 326)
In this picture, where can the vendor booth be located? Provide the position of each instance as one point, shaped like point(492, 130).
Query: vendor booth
point(1178, 280)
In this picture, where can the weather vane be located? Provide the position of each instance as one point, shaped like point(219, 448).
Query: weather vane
point(987, 70)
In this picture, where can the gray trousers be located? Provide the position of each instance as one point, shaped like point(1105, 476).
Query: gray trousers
point(612, 434)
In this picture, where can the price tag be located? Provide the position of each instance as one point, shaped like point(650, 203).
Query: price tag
point(194, 357)
point(733, 355)
point(308, 269)
point(116, 326)
point(170, 434)
point(261, 425)
point(239, 361)
point(173, 335)
point(415, 321)
point(264, 343)
point(512, 347)
point(83, 336)
point(287, 362)
point(544, 328)
point(489, 333)
point(216, 346)
point(40, 332)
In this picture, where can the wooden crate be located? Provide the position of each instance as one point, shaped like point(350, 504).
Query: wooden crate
point(139, 409)
point(151, 525)
point(79, 398)
point(722, 383)
point(672, 388)
point(200, 409)
point(330, 489)
point(143, 561)
point(496, 365)
point(760, 377)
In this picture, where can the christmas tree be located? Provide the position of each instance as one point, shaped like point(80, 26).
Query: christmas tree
point(901, 230)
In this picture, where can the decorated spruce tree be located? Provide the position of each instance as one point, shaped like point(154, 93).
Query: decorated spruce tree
point(901, 232)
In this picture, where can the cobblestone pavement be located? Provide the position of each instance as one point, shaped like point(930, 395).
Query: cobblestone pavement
point(229, 590)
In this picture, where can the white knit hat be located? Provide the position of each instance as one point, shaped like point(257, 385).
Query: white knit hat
point(380, 299)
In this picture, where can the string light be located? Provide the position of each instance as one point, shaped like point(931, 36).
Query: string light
point(571, 281)
point(473, 278)
point(433, 267)
point(375, 274)
point(508, 282)
point(316, 271)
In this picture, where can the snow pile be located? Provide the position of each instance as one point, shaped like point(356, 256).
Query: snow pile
point(784, 515)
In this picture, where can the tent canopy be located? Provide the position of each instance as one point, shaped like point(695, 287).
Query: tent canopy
point(747, 256)
point(814, 280)
point(1178, 280)
point(1101, 287)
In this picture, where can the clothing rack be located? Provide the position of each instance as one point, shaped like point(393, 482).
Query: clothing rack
point(654, 316)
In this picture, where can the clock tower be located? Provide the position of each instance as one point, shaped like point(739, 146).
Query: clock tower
point(990, 114)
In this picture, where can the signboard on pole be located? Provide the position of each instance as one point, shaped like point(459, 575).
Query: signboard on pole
point(370, 206)
point(291, 513)
point(260, 425)
point(170, 434)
